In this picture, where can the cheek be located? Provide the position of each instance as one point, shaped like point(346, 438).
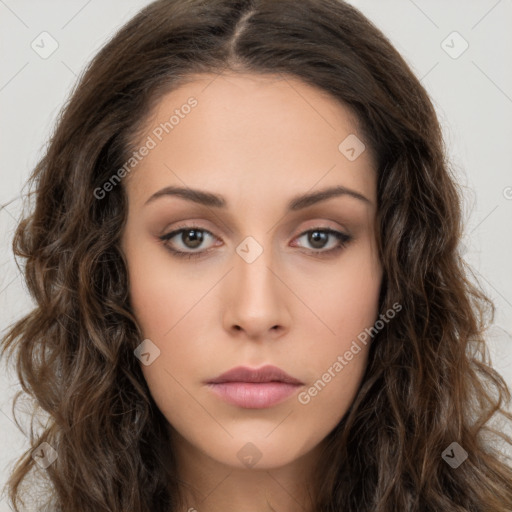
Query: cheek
point(345, 300)
point(326, 398)
point(336, 355)
point(168, 309)
point(158, 295)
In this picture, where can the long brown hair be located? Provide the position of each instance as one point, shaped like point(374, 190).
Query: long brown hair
point(428, 382)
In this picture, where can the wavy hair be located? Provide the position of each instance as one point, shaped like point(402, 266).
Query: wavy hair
point(428, 382)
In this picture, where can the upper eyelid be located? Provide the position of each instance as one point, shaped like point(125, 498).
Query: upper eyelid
point(200, 228)
point(319, 224)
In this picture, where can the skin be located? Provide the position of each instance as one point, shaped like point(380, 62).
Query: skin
point(258, 141)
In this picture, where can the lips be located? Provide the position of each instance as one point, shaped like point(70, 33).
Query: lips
point(265, 374)
point(254, 388)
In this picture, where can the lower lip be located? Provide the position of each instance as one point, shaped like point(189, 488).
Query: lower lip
point(250, 395)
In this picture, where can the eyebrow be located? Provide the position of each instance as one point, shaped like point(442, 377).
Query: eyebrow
point(296, 203)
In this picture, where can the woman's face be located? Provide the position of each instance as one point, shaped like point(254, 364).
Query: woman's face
point(266, 283)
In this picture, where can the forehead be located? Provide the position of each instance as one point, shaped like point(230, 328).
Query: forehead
point(250, 133)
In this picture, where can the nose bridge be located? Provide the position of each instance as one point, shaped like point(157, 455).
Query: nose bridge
point(254, 278)
point(256, 301)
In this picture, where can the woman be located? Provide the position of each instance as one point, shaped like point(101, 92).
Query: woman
point(249, 295)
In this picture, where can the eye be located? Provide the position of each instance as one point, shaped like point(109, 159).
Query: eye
point(192, 237)
point(318, 238)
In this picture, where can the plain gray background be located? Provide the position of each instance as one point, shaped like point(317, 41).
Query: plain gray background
point(471, 90)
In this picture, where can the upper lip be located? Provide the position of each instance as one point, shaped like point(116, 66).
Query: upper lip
point(267, 373)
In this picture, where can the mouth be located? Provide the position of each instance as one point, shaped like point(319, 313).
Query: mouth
point(254, 388)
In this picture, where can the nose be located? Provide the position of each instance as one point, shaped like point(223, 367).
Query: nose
point(257, 299)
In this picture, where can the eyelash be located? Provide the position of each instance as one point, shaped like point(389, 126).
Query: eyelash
point(343, 240)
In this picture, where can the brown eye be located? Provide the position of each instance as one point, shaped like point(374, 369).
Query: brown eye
point(318, 238)
point(191, 238)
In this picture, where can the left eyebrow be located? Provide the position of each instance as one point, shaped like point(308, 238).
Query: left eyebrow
point(296, 203)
